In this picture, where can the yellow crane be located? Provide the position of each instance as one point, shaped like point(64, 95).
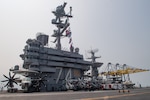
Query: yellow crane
point(121, 71)
point(125, 69)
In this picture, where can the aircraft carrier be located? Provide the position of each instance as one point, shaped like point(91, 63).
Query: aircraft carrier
point(51, 69)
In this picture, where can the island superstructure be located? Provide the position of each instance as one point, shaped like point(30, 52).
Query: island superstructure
point(52, 67)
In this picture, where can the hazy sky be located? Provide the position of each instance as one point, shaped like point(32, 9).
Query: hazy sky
point(120, 29)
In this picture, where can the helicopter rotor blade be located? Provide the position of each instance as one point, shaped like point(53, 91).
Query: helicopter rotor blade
point(16, 78)
point(4, 80)
point(10, 75)
point(15, 82)
point(6, 77)
point(7, 84)
point(13, 76)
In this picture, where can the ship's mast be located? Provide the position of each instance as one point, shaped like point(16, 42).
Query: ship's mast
point(95, 65)
point(61, 22)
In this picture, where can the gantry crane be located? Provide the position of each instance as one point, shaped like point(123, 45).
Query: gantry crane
point(114, 72)
point(121, 70)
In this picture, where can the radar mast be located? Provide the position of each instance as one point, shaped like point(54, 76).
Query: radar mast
point(62, 23)
point(95, 65)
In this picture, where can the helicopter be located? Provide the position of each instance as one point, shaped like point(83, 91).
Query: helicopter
point(10, 82)
point(28, 84)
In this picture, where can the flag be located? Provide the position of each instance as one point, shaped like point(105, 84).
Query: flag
point(68, 33)
point(70, 40)
point(71, 48)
